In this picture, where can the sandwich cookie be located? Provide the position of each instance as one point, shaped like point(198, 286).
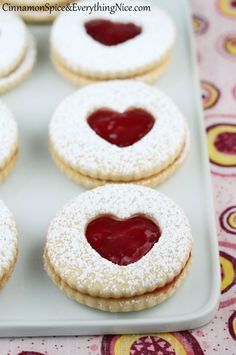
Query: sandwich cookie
point(119, 248)
point(9, 141)
point(87, 48)
point(8, 244)
point(18, 51)
point(118, 131)
point(37, 11)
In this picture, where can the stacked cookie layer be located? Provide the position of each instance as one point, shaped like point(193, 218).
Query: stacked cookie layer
point(92, 159)
point(88, 48)
point(9, 141)
point(8, 244)
point(84, 263)
point(18, 51)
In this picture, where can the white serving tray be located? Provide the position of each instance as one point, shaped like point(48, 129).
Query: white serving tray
point(30, 304)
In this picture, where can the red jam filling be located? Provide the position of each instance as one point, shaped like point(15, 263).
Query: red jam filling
point(121, 129)
point(123, 242)
point(111, 33)
point(226, 143)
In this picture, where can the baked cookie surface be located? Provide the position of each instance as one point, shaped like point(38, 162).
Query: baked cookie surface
point(102, 46)
point(8, 244)
point(119, 248)
point(118, 131)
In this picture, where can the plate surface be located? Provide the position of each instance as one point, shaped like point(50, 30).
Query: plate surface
point(30, 304)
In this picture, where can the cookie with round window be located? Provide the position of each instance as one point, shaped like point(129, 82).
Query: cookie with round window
point(118, 131)
point(119, 248)
point(90, 47)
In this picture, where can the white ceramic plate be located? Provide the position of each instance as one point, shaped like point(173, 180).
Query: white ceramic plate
point(30, 304)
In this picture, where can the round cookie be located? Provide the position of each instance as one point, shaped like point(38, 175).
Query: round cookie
point(102, 46)
point(9, 144)
point(98, 243)
point(13, 43)
point(40, 14)
point(8, 244)
point(144, 140)
point(18, 51)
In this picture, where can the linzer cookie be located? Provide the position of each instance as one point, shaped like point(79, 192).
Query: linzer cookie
point(119, 248)
point(18, 51)
point(9, 144)
point(36, 11)
point(102, 46)
point(8, 244)
point(118, 131)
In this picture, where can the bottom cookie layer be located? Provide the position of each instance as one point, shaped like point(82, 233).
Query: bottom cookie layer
point(5, 171)
point(38, 17)
point(149, 77)
point(154, 180)
point(136, 303)
point(9, 272)
point(22, 71)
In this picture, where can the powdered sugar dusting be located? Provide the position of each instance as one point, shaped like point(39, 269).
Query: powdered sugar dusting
point(13, 41)
point(78, 264)
point(8, 239)
point(83, 150)
point(82, 53)
point(24, 68)
point(8, 134)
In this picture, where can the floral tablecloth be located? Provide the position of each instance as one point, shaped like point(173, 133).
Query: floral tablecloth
point(215, 29)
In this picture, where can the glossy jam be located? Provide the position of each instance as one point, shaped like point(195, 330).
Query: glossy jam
point(123, 242)
point(226, 142)
point(111, 33)
point(121, 129)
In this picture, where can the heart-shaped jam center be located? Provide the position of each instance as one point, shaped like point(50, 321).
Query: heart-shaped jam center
point(111, 33)
point(121, 129)
point(123, 242)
